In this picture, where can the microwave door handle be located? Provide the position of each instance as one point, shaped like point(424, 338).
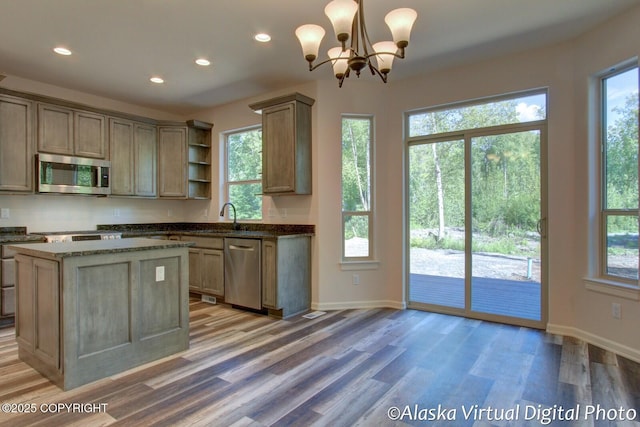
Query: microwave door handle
point(104, 176)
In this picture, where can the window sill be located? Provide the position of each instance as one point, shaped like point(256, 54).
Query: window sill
point(359, 265)
point(610, 287)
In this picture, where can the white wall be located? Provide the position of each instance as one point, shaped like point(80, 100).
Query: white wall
point(594, 53)
point(563, 69)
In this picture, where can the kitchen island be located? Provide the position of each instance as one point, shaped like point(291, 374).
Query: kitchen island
point(91, 309)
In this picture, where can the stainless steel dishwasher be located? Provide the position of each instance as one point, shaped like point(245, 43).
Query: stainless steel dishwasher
point(242, 278)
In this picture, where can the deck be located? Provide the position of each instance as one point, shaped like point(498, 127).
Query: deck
point(511, 298)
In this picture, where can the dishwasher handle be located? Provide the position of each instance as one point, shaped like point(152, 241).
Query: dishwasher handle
point(241, 248)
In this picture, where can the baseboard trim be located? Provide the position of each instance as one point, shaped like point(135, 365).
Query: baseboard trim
point(620, 349)
point(327, 306)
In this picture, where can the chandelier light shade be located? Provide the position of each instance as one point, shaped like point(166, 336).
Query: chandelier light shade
point(347, 19)
point(400, 22)
point(341, 14)
point(340, 62)
point(310, 36)
point(385, 60)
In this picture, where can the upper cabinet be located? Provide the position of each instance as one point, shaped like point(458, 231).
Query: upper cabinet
point(89, 134)
point(148, 158)
point(71, 132)
point(16, 144)
point(133, 152)
point(184, 161)
point(286, 144)
point(172, 162)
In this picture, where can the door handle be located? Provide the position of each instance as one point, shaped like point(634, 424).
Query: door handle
point(541, 227)
point(241, 248)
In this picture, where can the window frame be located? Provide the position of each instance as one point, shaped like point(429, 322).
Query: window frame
point(605, 213)
point(366, 213)
point(228, 184)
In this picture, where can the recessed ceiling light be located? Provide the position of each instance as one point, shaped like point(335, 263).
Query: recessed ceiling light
point(203, 62)
point(62, 51)
point(262, 37)
point(157, 80)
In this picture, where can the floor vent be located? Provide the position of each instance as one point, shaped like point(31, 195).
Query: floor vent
point(314, 314)
point(209, 299)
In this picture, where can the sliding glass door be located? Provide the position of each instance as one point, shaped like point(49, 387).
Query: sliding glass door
point(437, 218)
point(476, 224)
point(505, 213)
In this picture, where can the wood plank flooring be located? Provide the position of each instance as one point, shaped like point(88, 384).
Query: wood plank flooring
point(345, 368)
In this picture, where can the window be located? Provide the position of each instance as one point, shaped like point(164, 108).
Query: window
point(619, 173)
point(243, 172)
point(357, 171)
point(485, 113)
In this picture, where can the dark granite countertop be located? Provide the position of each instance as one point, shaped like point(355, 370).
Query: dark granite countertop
point(94, 247)
point(217, 229)
point(17, 235)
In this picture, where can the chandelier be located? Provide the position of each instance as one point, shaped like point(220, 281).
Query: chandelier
point(347, 18)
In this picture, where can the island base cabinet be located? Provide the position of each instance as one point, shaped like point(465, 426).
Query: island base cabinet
point(116, 311)
point(37, 314)
point(286, 275)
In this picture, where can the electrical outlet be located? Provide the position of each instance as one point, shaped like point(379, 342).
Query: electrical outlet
point(355, 279)
point(116, 212)
point(616, 310)
point(160, 273)
point(5, 213)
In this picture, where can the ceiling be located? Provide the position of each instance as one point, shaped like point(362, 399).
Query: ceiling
point(119, 44)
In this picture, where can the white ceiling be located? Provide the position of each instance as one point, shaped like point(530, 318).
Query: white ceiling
point(119, 44)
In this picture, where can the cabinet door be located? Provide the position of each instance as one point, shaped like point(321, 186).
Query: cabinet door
point(16, 144)
point(278, 149)
point(38, 310)
point(121, 153)
point(8, 298)
point(195, 281)
point(8, 304)
point(25, 313)
point(89, 135)
point(145, 154)
point(213, 271)
point(269, 274)
point(55, 129)
point(47, 311)
point(172, 162)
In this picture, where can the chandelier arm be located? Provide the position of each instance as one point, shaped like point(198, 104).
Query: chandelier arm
point(397, 55)
point(355, 40)
point(363, 31)
point(374, 71)
point(313, 67)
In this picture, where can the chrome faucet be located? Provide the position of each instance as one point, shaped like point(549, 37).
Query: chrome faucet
point(235, 223)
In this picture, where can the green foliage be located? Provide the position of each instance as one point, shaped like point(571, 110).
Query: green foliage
point(432, 243)
point(356, 161)
point(244, 167)
point(505, 180)
point(244, 155)
point(621, 150)
point(356, 226)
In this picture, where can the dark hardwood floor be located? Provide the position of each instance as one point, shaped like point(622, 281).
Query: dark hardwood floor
point(345, 368)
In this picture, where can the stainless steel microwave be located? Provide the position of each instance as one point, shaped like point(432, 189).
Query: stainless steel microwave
point(72, 175)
